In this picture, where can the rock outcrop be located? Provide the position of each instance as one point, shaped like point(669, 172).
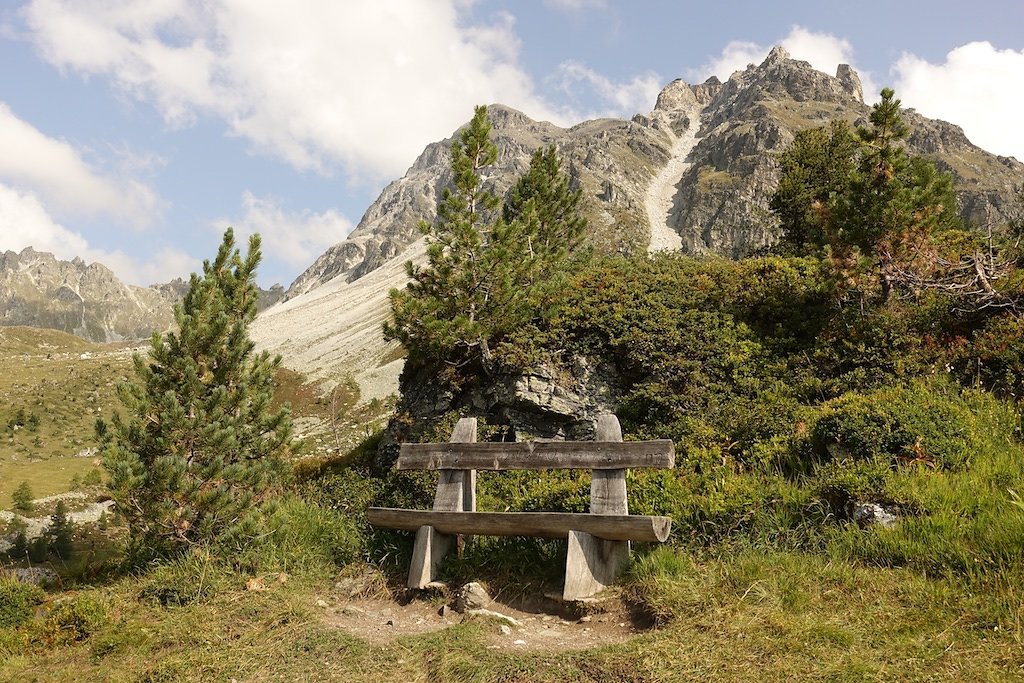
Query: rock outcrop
point(87, 300)
point(695, 174)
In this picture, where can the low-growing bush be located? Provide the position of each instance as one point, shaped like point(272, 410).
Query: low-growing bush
point(71, 621)
point(18, 602)
point(924, 423)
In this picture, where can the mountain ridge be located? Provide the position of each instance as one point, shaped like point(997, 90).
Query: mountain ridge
point(88, 300)
point(718, 203)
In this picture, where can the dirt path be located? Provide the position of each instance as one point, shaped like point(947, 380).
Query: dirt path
point(662, 190)
point(535, 628)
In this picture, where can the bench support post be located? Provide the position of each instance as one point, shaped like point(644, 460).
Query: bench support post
point(456, 491)
point(593, 563)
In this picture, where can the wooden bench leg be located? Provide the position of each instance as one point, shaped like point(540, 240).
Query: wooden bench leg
point(456, 490)
point(592, 564)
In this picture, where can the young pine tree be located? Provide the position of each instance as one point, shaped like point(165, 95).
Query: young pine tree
point(894, 202)
point(22, 498)
point(199, 450)
point(486, 270)
point(60, 531)
point(816, 170)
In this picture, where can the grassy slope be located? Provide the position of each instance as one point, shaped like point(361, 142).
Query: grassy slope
point(43, 372)
point(67, 383)
point(770, 617)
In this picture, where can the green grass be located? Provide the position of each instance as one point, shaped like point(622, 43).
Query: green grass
point(43, 374)
point(763, 616)
point(67, 383)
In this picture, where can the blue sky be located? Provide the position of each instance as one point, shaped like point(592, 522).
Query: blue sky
point(133, 131)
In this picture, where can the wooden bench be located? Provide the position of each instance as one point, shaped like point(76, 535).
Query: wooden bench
point(598, 539)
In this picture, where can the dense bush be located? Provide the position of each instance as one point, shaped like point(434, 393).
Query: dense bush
point(18, 602)
point(925, 423)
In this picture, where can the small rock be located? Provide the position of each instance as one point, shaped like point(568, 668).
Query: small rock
point(471, 596)
point(389, 622)
point(353, 611)
point(867, 514)
point(586, 619)
point(505, 629)
point(256, 584)
point(320, 602)
point(444, 611)
point(37, 575)
point(493, 615)
point(519, 642)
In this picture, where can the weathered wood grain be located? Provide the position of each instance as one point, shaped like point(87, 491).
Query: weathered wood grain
point(592, 564)
point(456, 490)
point(537, 455)
point(543, 524)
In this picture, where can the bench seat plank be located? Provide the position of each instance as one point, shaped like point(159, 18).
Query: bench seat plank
point(544, 524)
point(537, 455)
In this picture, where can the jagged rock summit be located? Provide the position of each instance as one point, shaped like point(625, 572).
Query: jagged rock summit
point(695, 174)
point(88, 300)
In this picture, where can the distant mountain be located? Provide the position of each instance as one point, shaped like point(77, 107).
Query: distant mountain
point(695, 174)
point(87, 300)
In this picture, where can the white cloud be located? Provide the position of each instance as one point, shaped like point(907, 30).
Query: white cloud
point(621, 99)
point(295, 238)
point(824, 51)
point(24, 222)
point(575, 5)
point(977, 88)
point(56, 170)
point(322, 85)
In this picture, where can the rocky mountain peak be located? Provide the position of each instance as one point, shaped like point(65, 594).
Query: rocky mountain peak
point(850, 79)
point(777, 55)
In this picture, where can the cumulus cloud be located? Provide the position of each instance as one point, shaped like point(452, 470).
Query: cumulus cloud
point(621, 99)
point(977, 87)
point(575, 5)
point(322, 85)
point(824, 51)
point(56, 171)
point(24, 222)
point(293, 237)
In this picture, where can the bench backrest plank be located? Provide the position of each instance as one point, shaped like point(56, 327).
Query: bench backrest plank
point(537, 455)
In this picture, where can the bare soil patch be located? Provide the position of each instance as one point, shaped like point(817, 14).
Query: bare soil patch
point(544, 624)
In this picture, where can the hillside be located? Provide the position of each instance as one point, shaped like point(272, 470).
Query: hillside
point(87, 300)
point(695, 174)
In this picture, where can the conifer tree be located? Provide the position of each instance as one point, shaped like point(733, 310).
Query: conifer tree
point(60, 531)
point(22, 498)
point(892, 199)
point(19, 550)
point(816, 170)
point(199, 451)
point(485, 268)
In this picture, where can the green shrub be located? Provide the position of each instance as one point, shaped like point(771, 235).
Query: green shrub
point(925, 423)
point(71, 621)
point(18, 602)
point(304, 536)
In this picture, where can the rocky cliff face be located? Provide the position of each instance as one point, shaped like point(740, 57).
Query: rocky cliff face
point(715, 195)
point(40, 290)
point(695, 174)
point(87, 300)
point(722, 201)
